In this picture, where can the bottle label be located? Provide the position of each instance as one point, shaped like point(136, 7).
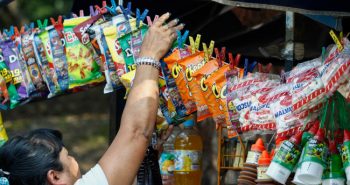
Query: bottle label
point(262, 173)
point(253, 157)
point(287, 155)
point(334, 168)
point(187, 160)
point(315, 151)
point(167, 163)
point(345, 154)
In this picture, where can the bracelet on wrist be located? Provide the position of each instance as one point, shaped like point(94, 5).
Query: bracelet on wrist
point(148, 61)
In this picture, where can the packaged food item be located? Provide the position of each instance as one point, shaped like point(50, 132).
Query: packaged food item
point(19, 78)
point(29, 57)
point(309, 68)
point(4, 94)
point(82, 69)
point(216, 98)
point(42, 55)
point(199, 78)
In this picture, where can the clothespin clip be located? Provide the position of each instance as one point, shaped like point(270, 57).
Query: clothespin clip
point(58, 25)
point(81, 13)
point(263, 69)
point(323, 55)
point(220, 56)
point(102, 10)
point(181, 39)
point(93, 12)
point(248, 68)
point(126, 11)
point(42, 25)
point(336, 40)
point(195, 44)
point(140, 17)
point(149, 20)
point(9, 33)
point(234, 61)
point(113, 9)
point(29, 27)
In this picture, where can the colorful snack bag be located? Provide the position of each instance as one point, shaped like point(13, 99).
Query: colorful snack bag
point(82, 69)
point(29, 57)
point(43, 54)
point(173, 91)
point(3, 135)
point(59, 59)
point(216, 94)
point(309, 67)
point(180, 71)
point(11, 89)
point(336, 66)
point(131, 44)
point(19, 78)
point(199, 78)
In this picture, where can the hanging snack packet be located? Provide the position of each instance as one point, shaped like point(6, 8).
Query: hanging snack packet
point(216, 95)
point(173, 92)
point(309, 67)
point(10, 55)
point(82, 69)
point(336, 66)
point(43, 54)
point(3, 135)
point(131, 44)
point(199, 77)
point(10, 88)
point(59, 59)
point(29, 57)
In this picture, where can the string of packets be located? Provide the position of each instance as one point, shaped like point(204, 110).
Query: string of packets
point(70, 55)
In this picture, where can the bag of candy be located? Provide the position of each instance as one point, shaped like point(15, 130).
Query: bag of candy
point(10, 88)
point(336, 66)
point(82, 68)
point(309, 68)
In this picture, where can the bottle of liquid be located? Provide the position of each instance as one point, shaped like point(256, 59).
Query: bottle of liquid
point(188, 156)
point(167, 159)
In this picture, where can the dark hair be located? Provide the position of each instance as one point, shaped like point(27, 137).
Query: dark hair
point(28, 158)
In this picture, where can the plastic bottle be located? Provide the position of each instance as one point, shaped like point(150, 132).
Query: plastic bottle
point(255, 152)
point(345, 152)
point(285, 159)
point(314, 159)
point(334, 174)
point(310, 134)
point(188, 156)
point(264, 163)
point(167, 158)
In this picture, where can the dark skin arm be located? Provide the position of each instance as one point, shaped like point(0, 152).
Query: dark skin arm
point(121, 161)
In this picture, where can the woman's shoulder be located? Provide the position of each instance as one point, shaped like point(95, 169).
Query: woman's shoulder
point(95, 176)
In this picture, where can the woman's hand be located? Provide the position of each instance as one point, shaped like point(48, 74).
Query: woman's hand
point(160, 37)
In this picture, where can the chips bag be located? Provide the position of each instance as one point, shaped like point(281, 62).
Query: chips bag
point(4, 94)
point(199, 88)
point(216, 94)
point(29, 57)
point(47, 71)
point(18, 71)
point(82, 69)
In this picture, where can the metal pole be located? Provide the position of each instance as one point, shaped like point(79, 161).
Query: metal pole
point(288, 52)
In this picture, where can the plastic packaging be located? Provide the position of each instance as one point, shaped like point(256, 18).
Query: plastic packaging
point(255, 152)
point(188, 156)
point(264, 162)
point(10, 88)
point(334, 173)
point(345, 154)
point(82, 69)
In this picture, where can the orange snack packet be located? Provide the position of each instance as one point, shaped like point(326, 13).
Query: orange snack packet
point(200, 88)
point(185, 82)
point(216, 94)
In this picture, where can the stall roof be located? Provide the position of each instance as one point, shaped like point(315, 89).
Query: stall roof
point(323, 7)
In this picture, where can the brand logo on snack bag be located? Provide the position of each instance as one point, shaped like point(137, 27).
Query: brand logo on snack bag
point(223, 92)
point(243, 105)
point(175, 71)
point(192, 68)
point(204, 87)
point(117, 46)
point(70, 37)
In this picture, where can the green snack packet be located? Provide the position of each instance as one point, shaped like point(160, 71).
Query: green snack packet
point(82, 67)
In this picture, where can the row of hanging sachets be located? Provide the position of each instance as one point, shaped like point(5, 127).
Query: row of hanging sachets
point(70, 55)
point(247, 101)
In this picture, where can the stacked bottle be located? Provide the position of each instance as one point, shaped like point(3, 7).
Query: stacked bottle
point(264, 163)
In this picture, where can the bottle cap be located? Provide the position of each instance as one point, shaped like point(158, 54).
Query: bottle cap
point(258, 146)
point(296, 139)
point(264, 159)
point(313, 130)
point(320, 135)
point(189, 123)
point(346, 135)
